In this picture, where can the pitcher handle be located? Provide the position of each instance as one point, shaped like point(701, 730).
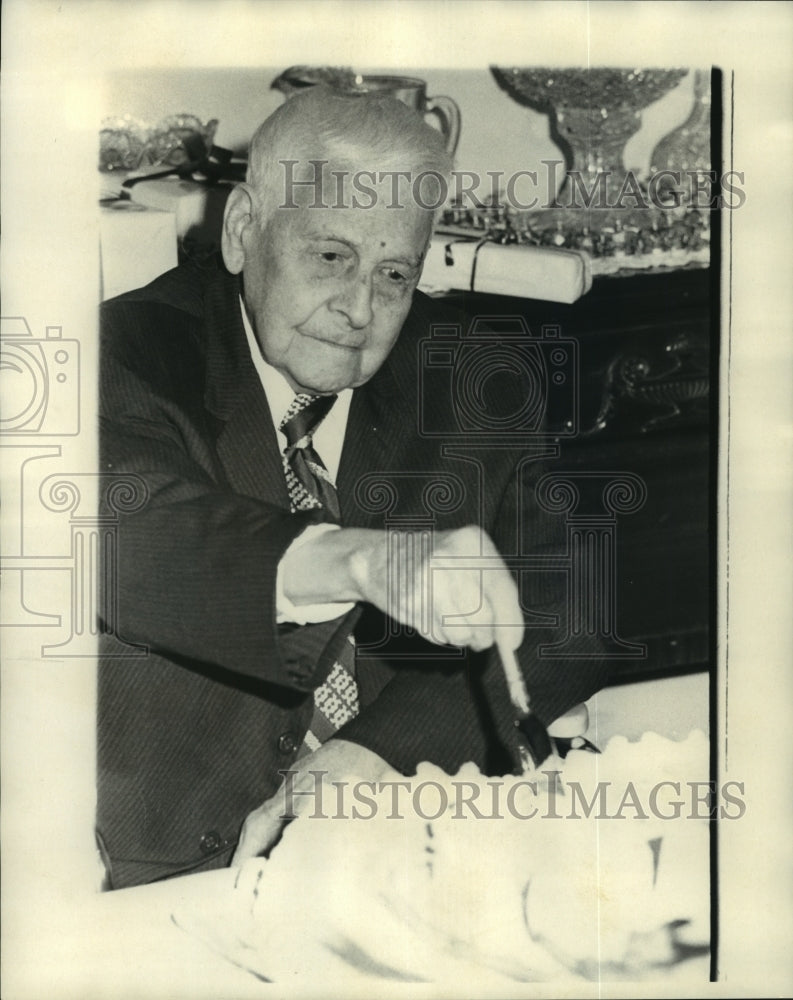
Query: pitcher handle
point(447, 112)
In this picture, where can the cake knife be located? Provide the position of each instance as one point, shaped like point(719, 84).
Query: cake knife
point(535, 745)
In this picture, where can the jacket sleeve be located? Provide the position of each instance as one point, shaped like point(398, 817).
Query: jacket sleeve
point(194, 577)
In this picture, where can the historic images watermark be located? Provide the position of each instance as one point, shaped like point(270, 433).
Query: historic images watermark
point(324, 188)
point(543, 796)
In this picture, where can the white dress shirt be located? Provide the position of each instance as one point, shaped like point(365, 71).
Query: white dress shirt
point(328, 441)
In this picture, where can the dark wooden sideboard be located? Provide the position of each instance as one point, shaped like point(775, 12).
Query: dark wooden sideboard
point(647, 347)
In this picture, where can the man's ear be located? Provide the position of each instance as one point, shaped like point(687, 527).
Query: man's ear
point(238, 215)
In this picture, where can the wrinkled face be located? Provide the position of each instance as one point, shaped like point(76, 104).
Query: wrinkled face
point(327, 290)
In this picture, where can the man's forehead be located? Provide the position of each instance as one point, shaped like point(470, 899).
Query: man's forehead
point(361, 182)
point(397, 231)
point(333, 165)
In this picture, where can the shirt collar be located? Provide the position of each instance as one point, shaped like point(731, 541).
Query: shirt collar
point(278, 391)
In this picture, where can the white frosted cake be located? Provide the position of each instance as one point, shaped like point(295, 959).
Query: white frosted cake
point(595, 867)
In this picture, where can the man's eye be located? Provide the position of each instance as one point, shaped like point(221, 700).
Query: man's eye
point(396, 276)
point(329, 256)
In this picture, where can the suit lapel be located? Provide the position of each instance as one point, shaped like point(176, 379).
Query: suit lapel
point(367, 447)
point(248, 447)
point(380, 429)
point(247, 444)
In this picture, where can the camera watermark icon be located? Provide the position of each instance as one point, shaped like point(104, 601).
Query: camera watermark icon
point(504, 382)
point(90, 564)
point(40, 379)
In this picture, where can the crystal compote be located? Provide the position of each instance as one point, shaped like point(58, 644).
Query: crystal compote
point(593, 113)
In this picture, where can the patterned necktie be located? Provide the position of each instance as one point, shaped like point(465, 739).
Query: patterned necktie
point(307, 479)
point(311, 487)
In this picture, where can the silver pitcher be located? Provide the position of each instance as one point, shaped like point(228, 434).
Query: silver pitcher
point(408, 89)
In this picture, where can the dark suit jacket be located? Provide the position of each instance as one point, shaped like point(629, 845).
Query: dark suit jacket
point(192, 735)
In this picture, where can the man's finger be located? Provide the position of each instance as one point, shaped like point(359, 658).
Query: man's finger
point(263, 827)
point(501, 593)
point(260, 831)
point(515, 681)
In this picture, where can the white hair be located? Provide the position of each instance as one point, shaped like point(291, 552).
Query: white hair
point(370, 132)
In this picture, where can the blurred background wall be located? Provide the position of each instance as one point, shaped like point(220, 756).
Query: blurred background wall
point(497, 133)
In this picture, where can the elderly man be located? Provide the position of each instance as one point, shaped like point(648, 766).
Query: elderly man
point(314, 566)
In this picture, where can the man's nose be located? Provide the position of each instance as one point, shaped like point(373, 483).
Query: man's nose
point(354, 300)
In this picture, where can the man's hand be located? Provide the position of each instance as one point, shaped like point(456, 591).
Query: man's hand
point(451, 586)
point(336, 760)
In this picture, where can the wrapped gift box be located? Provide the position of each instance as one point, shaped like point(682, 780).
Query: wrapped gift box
point(137, 244)
point(555, 275)
point(197, 208)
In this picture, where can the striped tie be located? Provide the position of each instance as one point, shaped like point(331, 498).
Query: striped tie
point(311, 487)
